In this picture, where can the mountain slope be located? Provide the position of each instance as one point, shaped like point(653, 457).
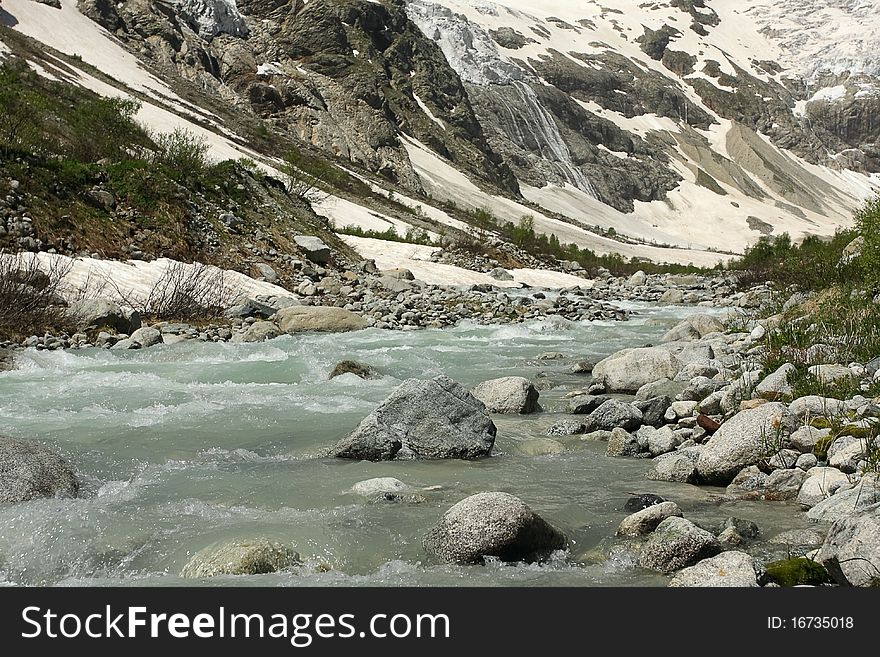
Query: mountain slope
point(676, 131)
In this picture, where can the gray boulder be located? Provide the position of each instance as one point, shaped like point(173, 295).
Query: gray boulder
point(804, 439)
point(654, 410)
point(645, 521)
point(680, 467)
point(29, 470)
point(630, 369)
point(776, 387)
point(433, 419)
point(246, 557)
point(314, 248)
point(492, 525)
point(101, 313)
point(848, 502)
point(614, 414)
point(660, 388)
point(259, 332)
point(819, 484)
point(744, 440)
point(851, 551)
point(728, 569)
point(585, 404)
point(146, 336)
point(622, 443)
point(816, 406)
point(7, 360)
point(566, 428)
point(694, 328)
point(508, 395)
point(361, 370)
point(677, 543)
point(299, 319)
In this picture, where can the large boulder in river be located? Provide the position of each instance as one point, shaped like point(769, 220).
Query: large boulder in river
point(509, 394)
point(433, 419)
point(851, 551)
point(744, 440)
point(300, 319)
point(646, 520)
point(492, 525)
point(29, 470)
point(630, 369)
point(677, 543)
point(247, 557)
point(614, 414)
point(100, 313)
point(259, 332)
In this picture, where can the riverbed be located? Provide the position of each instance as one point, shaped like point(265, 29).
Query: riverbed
point(181, 446)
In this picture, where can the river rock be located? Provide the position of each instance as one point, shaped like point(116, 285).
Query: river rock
point(830, 374)
point(259, 332)
point(7, 359)
point(146, 336)
point(376, 485)
point(614, 414)
point(566, 428)
point(630, 369)
point(806, 461)
point(298, 319)
point(508, 395)
point(679, 467)
point(29, 470)
point(585, 404)
point(693, 328)
point(642, 501)
point(851, 551)
point(819, 484)
point(672, 296)
point(622, 443)
point(657, 441)
point(102, 313)
point(492, 525)
point(783, 459)
point(244, 557)
point(815, 406)
point(804, 439)
point(776, 387)
point(677, 543)
point(654, 410)
point(645, 521)
point(849, 502)
point(728, 569)
point(744, 440)
point(314, 248)
point(433, 419)
point(660, 388)
point(638, 279)
point(361, 370)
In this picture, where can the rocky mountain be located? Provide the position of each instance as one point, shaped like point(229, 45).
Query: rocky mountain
point(676, 130)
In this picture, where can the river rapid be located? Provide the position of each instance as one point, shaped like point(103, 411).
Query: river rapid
point(181, 446)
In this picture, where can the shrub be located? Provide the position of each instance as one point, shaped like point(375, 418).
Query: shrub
point(20, 109)
point(183, 154)
point(307, 178)
point(868, 222)
point(104, 128)
point(30, 303)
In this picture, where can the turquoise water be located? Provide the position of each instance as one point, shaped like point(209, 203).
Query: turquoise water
point(181, 446)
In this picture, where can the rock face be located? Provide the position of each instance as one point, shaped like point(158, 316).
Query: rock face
point(492, 525)
point(509, 394)
point(645, 521)
point(256, 557)
point(301, 319)
point(744, 440)
point(29, 471)
point(851, 551)
point(212, 17)
point(728, 569)
point(630, 369)
point(433, 419)
point(100, 313)
point(677, 543)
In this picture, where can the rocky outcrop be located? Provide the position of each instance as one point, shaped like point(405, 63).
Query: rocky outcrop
point(29, 470)
point(433, 419)
point(492, 525)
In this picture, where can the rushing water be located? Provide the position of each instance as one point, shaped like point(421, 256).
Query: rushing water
point(182, 446)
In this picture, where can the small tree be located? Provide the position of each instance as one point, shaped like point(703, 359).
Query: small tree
point(306, 178)
point(868, 222)
point(104, 128)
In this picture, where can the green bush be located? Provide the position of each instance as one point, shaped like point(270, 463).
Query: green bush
point(868, 222)
point(183, 154)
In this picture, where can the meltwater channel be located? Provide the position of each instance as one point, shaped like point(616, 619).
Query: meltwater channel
point(182, 446)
